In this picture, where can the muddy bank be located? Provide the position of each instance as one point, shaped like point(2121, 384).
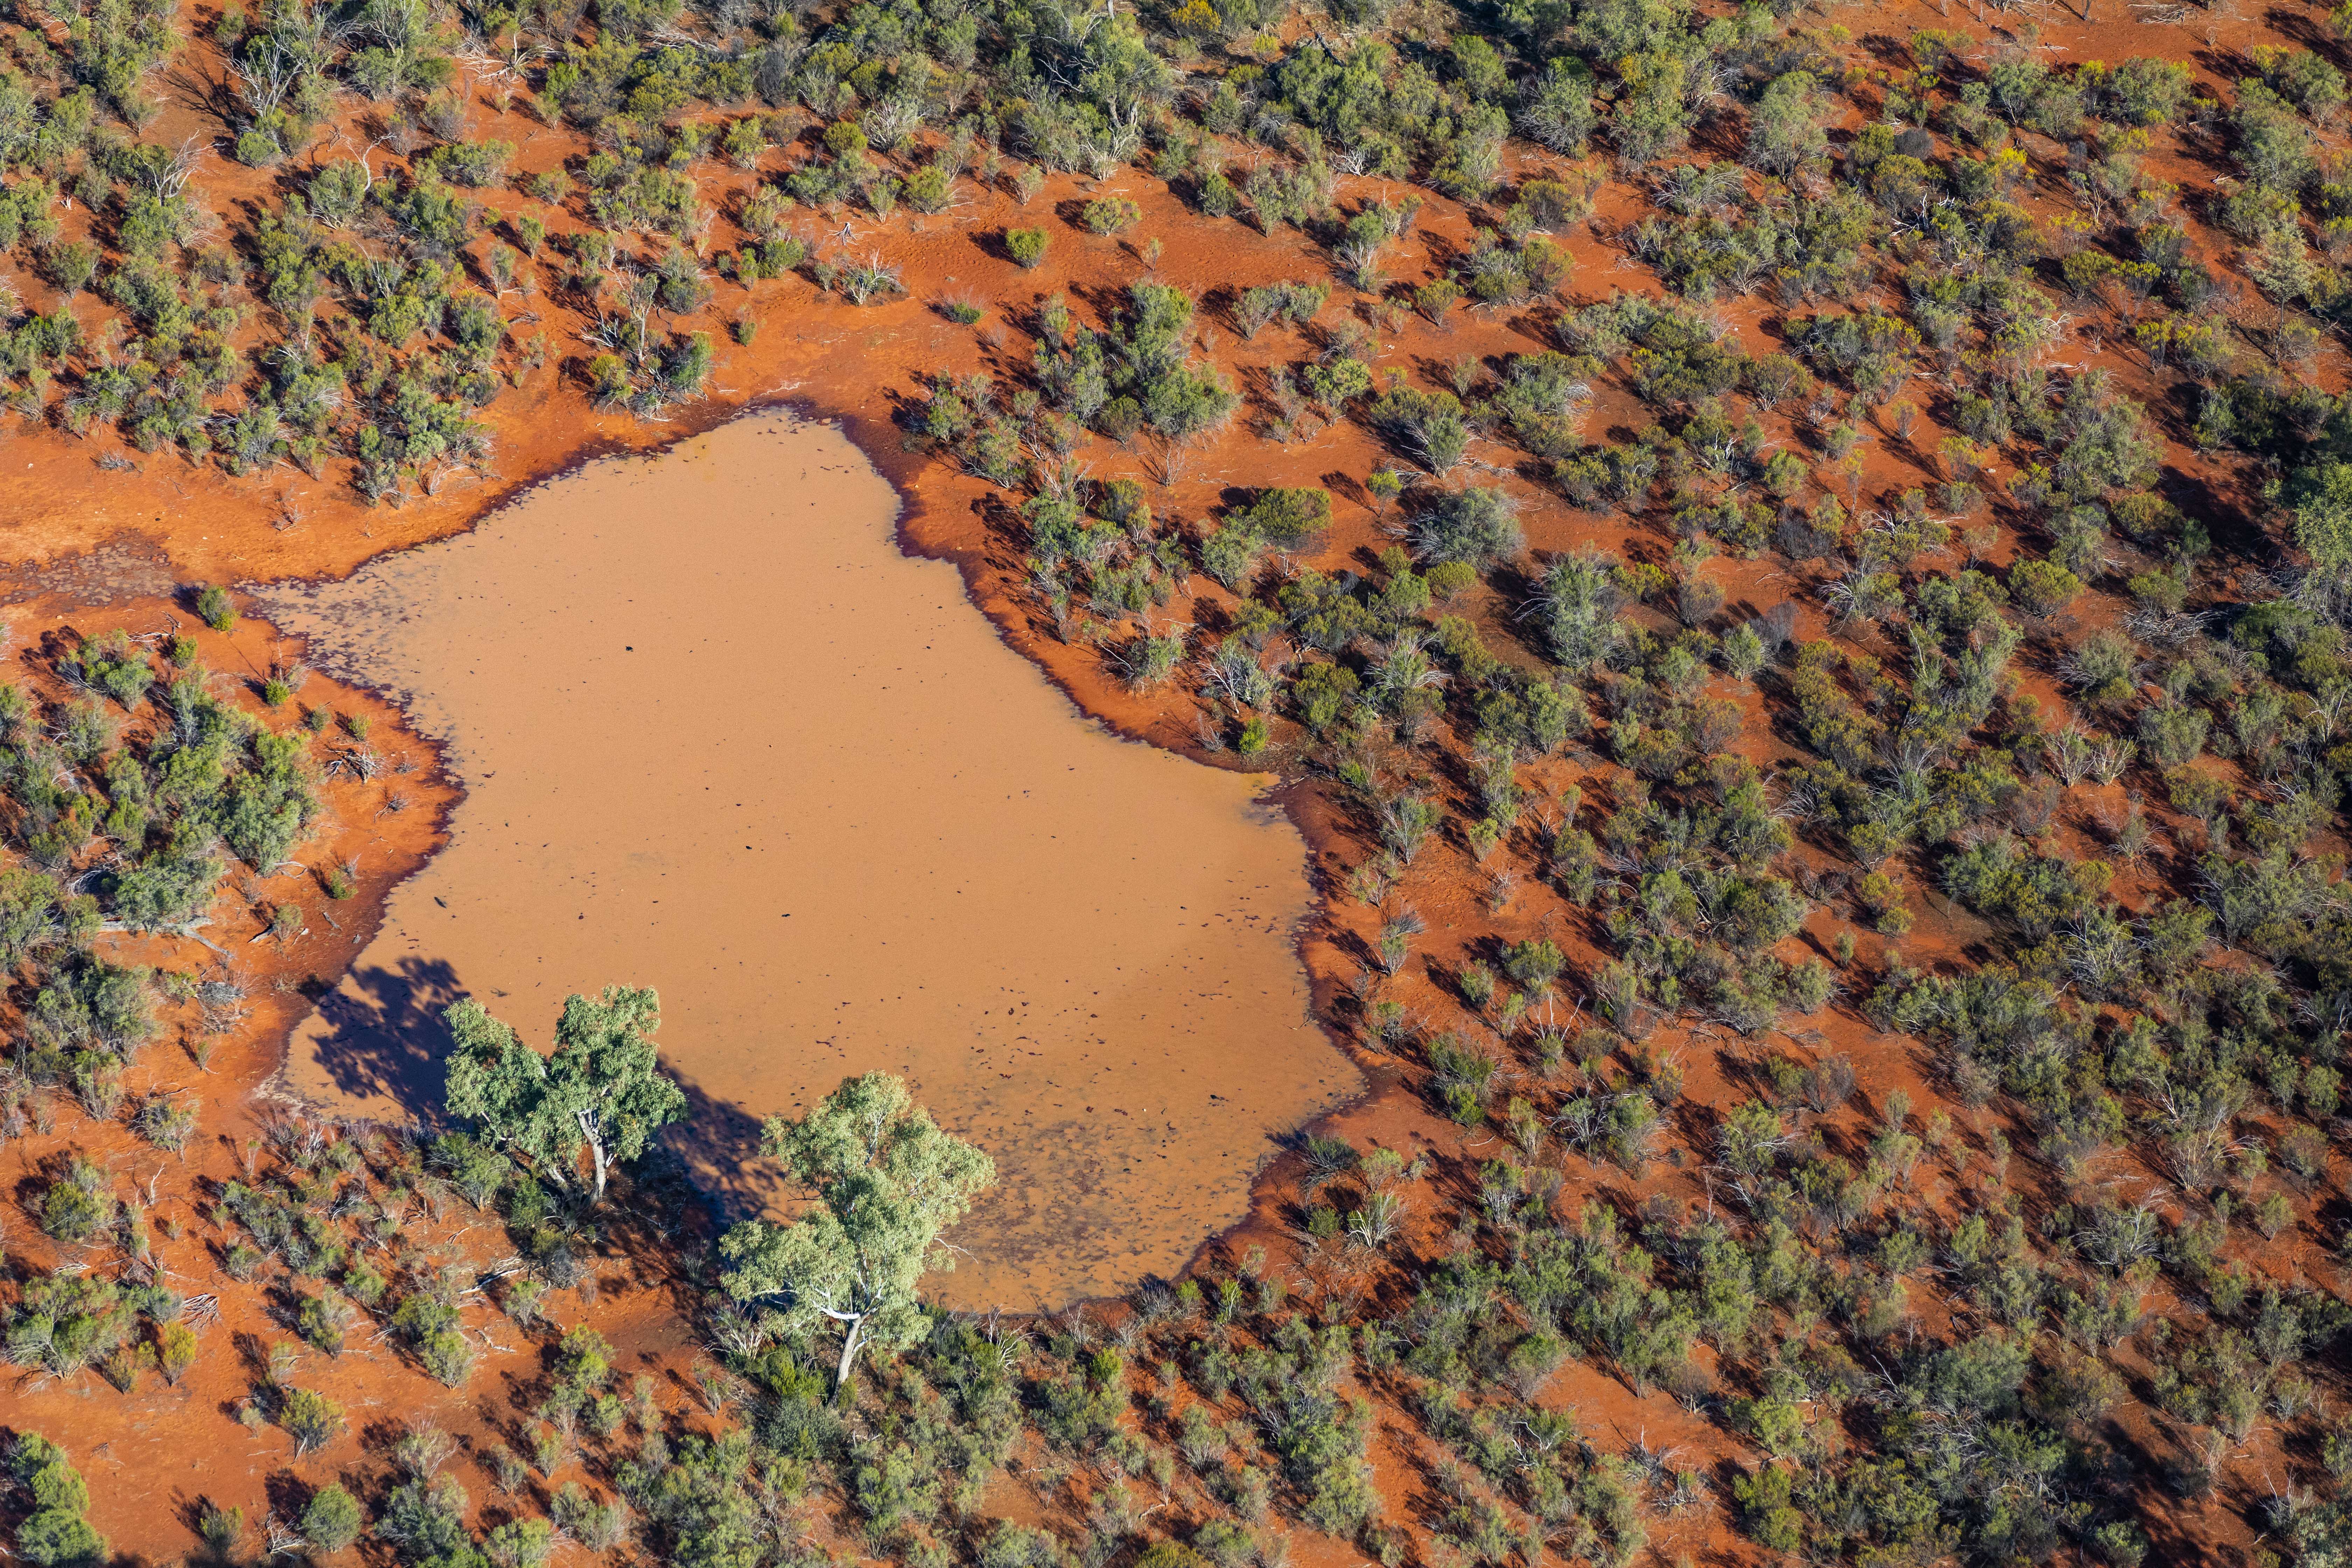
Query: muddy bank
point(721, 737)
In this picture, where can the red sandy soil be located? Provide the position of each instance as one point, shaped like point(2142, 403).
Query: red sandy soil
point(76, 529)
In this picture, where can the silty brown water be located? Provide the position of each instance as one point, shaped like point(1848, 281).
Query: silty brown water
point(721, 737)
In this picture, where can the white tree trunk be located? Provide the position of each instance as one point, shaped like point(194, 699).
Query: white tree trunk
point(849, 1345)
point(596, 1150)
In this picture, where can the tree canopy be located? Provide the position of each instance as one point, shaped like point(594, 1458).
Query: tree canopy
point(888, 1181)
point(602, 1091)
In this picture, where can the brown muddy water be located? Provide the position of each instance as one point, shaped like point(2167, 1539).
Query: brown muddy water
point(721, 737)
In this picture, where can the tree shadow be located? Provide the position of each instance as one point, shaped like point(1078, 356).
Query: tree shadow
point(383, 1035)
point(716, 1147)
point(384, 1039)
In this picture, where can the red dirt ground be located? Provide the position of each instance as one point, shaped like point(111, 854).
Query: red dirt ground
point(74, 529)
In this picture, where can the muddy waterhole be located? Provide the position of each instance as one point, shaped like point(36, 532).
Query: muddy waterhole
point(719, 735)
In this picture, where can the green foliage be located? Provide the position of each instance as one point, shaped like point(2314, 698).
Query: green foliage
point(1026, 245)
point(65, 1322)
point(423, 1520)
point(1290, 521)
point(602, 1091)
point(1476, 526)
point(2043, 588)
point(332, 1519)
point(79, 1204)
point(1104, 214)
point(54, 1533)
point(2038, 892)
point(310, 1419)
point(1579, 599)
point(889, 1182)
point(1424, 427)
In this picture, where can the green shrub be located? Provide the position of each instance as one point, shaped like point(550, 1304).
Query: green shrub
point(310, 1419)
point(519, 1544)
point(1231, 552)
point(54, 1534)
point(78, 1204)
point(1026, 245)
point(1170, 1554)
point(332, 1519)
point(2043, 588)
point(175, 1350)
point(1476, 526)
point(1291, 521)
point(1765, 1504)
point(323, 1321)
point(449, 1356)
point(215, 609)
point(1110, 215)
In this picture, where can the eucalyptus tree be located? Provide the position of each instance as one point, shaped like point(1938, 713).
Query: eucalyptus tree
point(886, 1181)
point(602, 1089)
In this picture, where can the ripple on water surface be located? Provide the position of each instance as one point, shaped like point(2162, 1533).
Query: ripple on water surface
point(721, 737)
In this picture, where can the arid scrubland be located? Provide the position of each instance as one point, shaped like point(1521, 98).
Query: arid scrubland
point(1796, 562)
